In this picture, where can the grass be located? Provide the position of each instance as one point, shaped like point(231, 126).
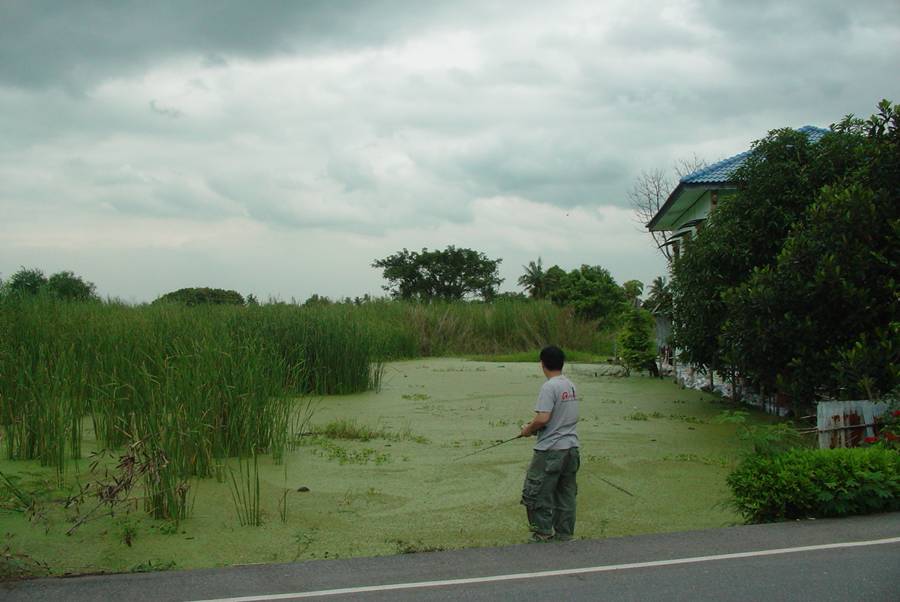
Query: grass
point(417, 497)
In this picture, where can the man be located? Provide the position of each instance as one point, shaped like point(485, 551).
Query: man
point(550, 488)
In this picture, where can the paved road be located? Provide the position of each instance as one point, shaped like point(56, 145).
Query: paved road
point(848, 559)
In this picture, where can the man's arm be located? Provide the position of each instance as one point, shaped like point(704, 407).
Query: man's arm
point(537, 423)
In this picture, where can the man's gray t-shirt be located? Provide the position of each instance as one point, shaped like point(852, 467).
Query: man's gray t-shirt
point(558, 397)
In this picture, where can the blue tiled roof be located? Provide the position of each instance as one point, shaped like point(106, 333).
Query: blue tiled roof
point(724, 169)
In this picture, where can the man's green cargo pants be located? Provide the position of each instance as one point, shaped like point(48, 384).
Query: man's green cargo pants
point(549, 492)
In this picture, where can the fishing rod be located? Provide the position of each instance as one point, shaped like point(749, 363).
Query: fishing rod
point(478, 451)
point(487, 448)
point(611, 484)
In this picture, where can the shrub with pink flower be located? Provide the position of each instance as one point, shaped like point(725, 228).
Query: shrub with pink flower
point(887, 430)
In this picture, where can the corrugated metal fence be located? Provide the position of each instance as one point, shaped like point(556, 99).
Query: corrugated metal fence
point(846, 423)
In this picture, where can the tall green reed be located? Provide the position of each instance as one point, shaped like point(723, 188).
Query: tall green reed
point(196, 385)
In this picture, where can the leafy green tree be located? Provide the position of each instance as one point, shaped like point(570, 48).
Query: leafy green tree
point(633, 290)
point(316, 300)
point(807, 302)
point(590, 290)
point(450, 275)
point(534, 280)
point(776, 183)
point(553, 280)
point(66, 285)
point(636, 345)
point(202, 296)
point(510, 296)
point(27, 281)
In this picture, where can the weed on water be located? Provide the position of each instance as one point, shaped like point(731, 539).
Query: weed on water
point(352, 430)
point(708, 460)
point(414, 547)
point(302, 539)
point(169, 528)
point(688, 419)
point(637, 416)
point(245, 491)
point(344, 455)
point(151, 567)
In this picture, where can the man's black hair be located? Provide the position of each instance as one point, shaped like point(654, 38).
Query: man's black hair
point(553, 357)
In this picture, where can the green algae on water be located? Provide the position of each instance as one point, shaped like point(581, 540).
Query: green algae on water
point(409, 495)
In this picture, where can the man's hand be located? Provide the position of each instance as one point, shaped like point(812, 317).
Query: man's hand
point(540, 421)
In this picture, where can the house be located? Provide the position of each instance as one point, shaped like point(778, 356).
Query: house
point(698, 193)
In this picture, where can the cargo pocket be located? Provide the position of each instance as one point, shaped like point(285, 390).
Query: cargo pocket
point(555, 461)
point(574, 461)
point(531, 490)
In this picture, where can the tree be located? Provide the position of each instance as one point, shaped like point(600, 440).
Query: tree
point(651, 189)
point(659, 299)
point(633, 290)
point(636, 346)
point(66, 285)
point(63, 285)
point(27, 281)
point(450, 275)
point(807, 302)
point(590, 290)
point(776, 182)
point(534, 280)
point(317, 300)
point(202, 296)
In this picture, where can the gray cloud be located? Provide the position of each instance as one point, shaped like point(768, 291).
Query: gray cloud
point(76, 44)
point(389, 123)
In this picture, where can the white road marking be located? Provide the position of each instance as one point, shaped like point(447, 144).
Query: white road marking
point(557, 573)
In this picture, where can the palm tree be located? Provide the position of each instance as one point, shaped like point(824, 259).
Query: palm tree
point(534, 280)
point(659, 300)
point(633, 291)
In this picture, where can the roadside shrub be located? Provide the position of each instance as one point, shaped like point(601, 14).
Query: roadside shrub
point(803, 483)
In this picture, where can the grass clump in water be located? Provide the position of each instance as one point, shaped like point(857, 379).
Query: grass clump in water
point(350, 429)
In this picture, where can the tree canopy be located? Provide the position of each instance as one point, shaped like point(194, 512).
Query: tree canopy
point(202, 296)
point(590, 290)
point(651, 189)
point(633, 290)
point(65, 285)
point(449, 275)
point(793, 281)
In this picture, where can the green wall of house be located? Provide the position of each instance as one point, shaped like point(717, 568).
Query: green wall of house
point(701, 208)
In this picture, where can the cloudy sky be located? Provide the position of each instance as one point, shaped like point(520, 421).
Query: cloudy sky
point(278, 148)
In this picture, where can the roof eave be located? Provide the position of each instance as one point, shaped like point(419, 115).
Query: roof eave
point(674, 196)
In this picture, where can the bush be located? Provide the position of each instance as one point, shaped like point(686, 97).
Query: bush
point(803, 483)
